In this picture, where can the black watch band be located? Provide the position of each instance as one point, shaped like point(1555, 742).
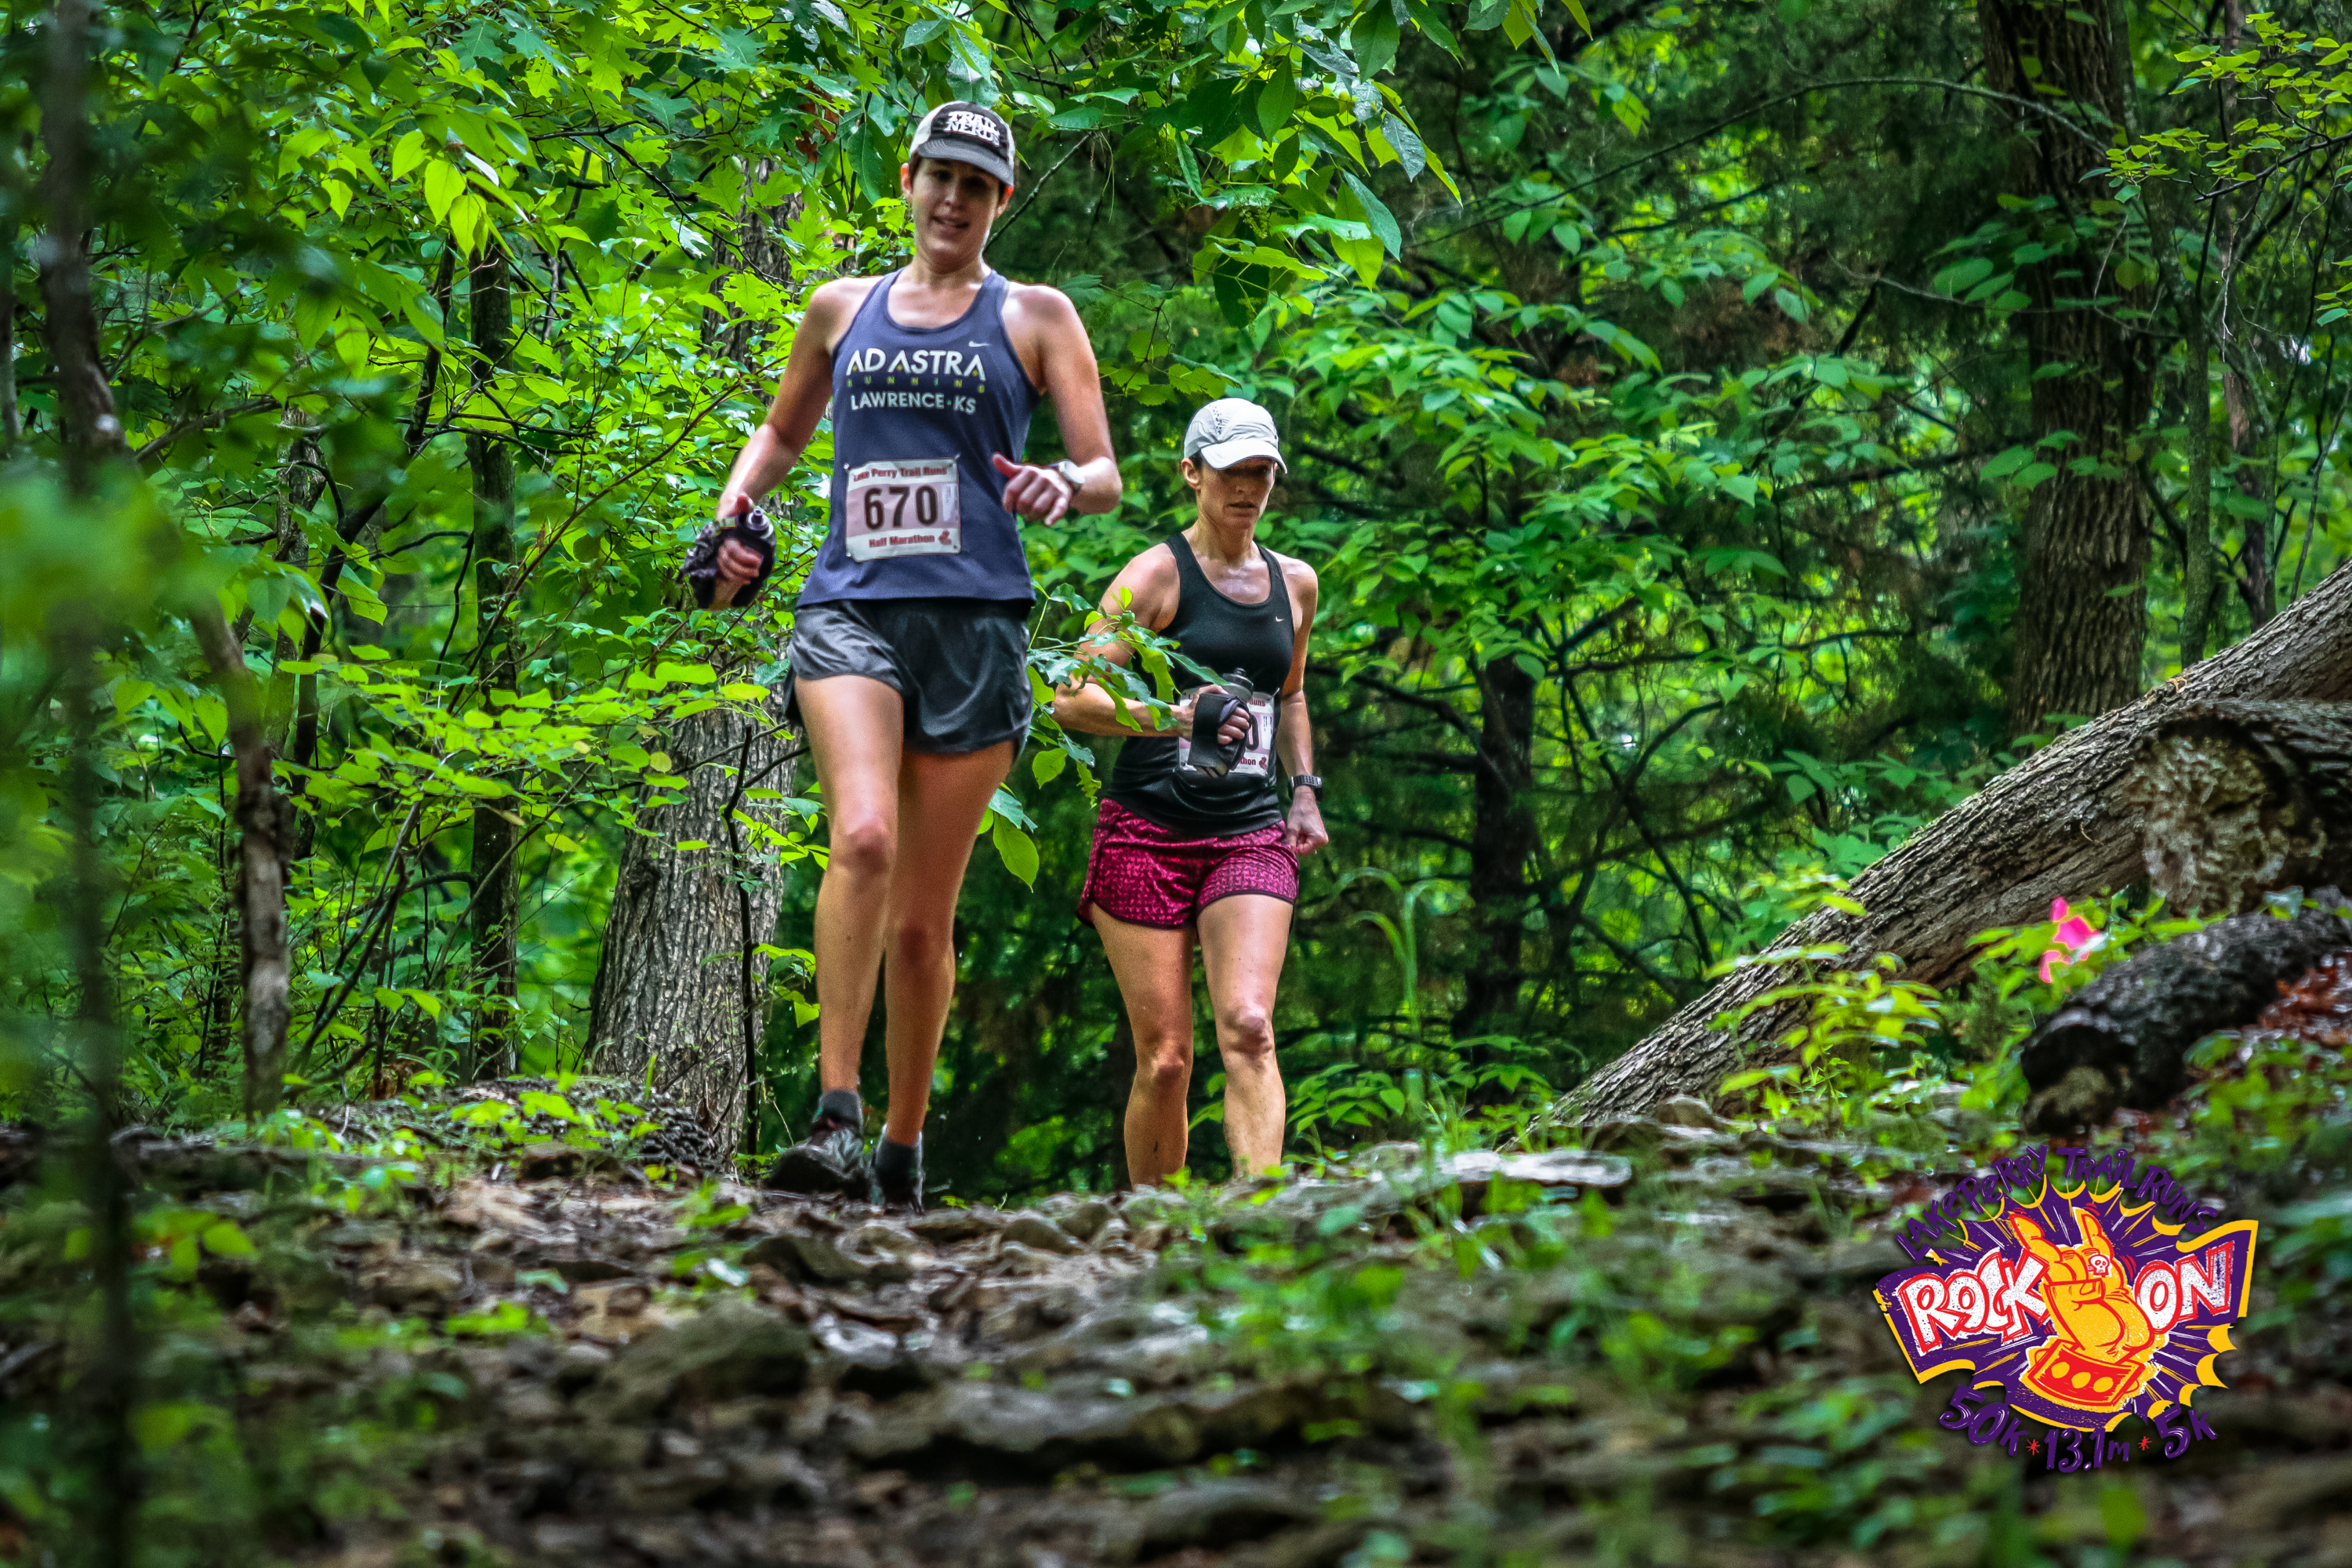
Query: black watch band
point(1307, 780)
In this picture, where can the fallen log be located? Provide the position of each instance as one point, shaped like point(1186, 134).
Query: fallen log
point(2055, 826)
point(2242, 797)
point(2122, 1040)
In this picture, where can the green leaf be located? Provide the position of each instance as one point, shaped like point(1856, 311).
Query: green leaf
point(1383, 222)
point(1375, 39)
point(1049, 764)
point(227, 1241)
point(443, 182)
point(2007, 463)
point(1276, 100)
point(539, 1102)
point(160, 1427)
point(1015, 848)
point(1961, 276)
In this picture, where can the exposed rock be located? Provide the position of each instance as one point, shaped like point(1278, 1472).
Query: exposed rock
point(1037, 1231)
point(817, 1259)
point(730, 1348)
point(945, 1228)
point(1086, 1221)
point(548, 1158)
point(408, 1282)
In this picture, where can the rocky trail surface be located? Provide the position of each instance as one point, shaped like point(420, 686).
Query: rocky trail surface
point(1666, 1352)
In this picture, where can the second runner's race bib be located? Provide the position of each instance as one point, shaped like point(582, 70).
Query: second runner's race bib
point(1257, 756)
point(904, 507)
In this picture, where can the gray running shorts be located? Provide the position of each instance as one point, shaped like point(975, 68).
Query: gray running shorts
point(960, 666)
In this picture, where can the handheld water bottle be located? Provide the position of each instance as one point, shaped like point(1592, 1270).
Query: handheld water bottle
point(1210, 754)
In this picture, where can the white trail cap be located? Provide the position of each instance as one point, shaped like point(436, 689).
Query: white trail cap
point(969, 133)
point(1231, 429)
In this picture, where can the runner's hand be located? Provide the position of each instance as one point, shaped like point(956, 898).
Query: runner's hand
point(1235, 726)
point(1040, 495)
point(738, 565)
point(1302, 832)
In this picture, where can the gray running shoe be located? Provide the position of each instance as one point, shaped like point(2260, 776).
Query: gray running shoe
point(830, 1163)
point(902, 1191)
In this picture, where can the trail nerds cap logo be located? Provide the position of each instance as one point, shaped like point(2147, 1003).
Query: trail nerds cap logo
point(969, 135)
point(1229, 430)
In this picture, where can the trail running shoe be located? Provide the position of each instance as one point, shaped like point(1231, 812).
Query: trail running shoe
point(830, 1163)
point(902, 1187)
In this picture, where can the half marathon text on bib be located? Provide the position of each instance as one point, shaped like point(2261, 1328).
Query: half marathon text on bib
point(904, 507)
point(1258, 757)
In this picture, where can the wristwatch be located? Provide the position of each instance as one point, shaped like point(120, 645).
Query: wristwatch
point(1070, 475)
point(1307, 780)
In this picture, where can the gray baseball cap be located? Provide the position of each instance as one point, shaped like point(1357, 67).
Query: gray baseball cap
point(968, 132)
point(1229, 430)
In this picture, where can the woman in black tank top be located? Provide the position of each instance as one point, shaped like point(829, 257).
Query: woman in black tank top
point(1183, 855)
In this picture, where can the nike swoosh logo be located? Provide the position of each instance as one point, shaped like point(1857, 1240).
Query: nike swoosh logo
point(975, 345)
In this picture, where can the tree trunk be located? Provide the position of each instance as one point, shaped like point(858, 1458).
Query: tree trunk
point(2082, 610)
point(100, 1436)
point(2258, 574)
point(268, 968)
point(2196, 516)
point(1502, 842)
point(679, 986)
point(11, 422)
point(2056, 825)
point(2244, 797)
point(497, 839)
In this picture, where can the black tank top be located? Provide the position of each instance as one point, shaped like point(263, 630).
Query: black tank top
point(1149, 778)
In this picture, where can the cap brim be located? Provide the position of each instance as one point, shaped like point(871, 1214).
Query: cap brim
point(985, 159)
point(1226, 454)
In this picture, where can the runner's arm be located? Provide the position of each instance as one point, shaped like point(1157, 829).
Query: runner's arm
point(1086, 706)
point(1074, 381)
point(1302, 828)
point(777, 441)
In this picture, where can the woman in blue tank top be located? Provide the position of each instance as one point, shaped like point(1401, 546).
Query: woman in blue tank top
point(909, 641)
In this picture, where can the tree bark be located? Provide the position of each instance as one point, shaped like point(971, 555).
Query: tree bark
point(2082, 610)
point(2196, 516)
point(1502, 842)
point(268, 968)
point(2258, 575)
point(11, 422)
point(2056, 825)
point(497, 887)
point(2244, 797)
point(101, 1436)
point(679, 994)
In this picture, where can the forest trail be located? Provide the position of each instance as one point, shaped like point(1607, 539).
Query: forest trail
point(1666, 1352)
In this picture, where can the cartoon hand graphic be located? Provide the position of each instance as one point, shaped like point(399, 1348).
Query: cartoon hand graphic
point(2100, 1353)
point(2087, 1293)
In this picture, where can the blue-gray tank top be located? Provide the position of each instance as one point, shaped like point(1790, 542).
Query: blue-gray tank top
point(917, 508)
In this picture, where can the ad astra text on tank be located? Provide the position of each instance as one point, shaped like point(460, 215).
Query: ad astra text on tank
point(917, 508)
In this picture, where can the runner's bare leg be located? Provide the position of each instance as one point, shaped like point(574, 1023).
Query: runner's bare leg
point(943, 800)
point(855, 726)
point(1243, 939)
point(1154, 969)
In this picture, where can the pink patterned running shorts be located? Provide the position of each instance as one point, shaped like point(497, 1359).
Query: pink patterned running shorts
point(1147, 875)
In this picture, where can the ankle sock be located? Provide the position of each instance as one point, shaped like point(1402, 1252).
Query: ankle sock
point(895, 1162)
point(842, 1105)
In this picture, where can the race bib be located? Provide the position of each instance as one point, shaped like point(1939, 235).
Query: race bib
point(904, 509)
point(1257, 756)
